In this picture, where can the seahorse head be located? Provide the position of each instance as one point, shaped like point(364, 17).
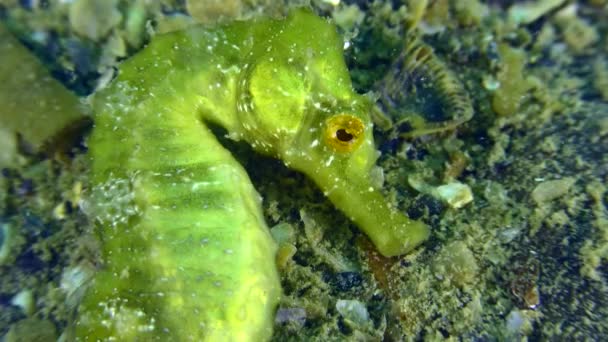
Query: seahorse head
point(297, 103)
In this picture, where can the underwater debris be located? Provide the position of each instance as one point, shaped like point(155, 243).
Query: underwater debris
point(524, 282)
point(314, 232)
point(34, 105)
point(469, 12)
point(296, 316)
point(353, 311)
point(528, 12)
point(214, 10)
point(379, 266)
point(24, 299)
point(457, 165)
point(135, 22)
point(74, 280)
point(456, 263)
point(415, 11)
point(348, 17)
point(285, 236)
point(94, 19)
point(577, 32)
point(422, 93)
point(552, 189)
point(454, 193)
point(285, 253)
point(519, 323)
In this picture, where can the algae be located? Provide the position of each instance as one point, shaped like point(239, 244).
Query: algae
point(513, 85)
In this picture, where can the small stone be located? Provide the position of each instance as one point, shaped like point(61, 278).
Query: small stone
point(116, 46)
point(348, 17)
point(34, 104)
point(455, 194)
point(332, 2)
point(287, 315)
point(74, 282)
point(31, 330)
point(211, 10)
point(59, 212)
point(490, 83)
point(173, 22)
point(285, 253)
point(550, 190)
point(94, 19)
point(457, 263)
point(353, 310)
point(283, 233)
point(528, 12)
point(509, 234)
point(518, 323)
point(24, 300)
point(577, 33)
point(470, 12)
point(135, 21)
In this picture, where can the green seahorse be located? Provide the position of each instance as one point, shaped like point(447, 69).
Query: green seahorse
point(187, 255)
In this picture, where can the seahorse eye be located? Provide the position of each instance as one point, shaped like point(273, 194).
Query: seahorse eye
point(344, 132)
point(343, 135)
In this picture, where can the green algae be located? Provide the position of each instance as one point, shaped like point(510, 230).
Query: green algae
point(576, 32)
point(559, 133)
point(32, 330)
point(513, 86)
point(11, 243)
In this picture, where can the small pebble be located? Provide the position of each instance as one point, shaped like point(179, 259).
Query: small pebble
point(31, 330)
point(94, 19)
point(24, 300)
point(353, 310)
point(455, 194)
point(286, 315)
point(283, 233)
point(552, 189)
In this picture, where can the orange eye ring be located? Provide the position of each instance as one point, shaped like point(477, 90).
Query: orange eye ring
point(344, 132)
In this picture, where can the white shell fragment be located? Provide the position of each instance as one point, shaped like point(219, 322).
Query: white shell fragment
point(353, 310)
point(24, 300)
point(455, 194)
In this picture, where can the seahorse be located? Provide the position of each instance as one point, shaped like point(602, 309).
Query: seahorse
point(186, 253)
